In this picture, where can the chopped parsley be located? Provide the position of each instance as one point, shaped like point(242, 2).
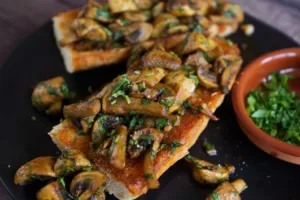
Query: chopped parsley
point(104, 12)
point(66, 92)
point(70, 169)
point(118, 34)
point(173, 54)
point(183, 44)
point(195, 78)
point(229, 42)
point(181, 9)
point(208, 146)
point(160, 123)
point(107, 31)
point(174, 145)
point(33, 118)
point(125, 22)
point(62, 181)
point(36, 100)
point(149, 74)
point(145, 101)
point(119, 90)
point(275, 109)
point(167, 102)
point(148, 176)
point(198, 29)
point(86, 169)
point(215, 196)
point(207, 57)
point(133, 112)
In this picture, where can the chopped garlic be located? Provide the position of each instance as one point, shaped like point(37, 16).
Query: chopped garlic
point(248, 29)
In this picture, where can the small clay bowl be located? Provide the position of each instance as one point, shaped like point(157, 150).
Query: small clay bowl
point(286, 60)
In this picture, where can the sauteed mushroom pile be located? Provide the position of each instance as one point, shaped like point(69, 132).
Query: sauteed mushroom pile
point(121, 23)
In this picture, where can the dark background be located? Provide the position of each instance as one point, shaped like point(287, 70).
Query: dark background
point(19, 18)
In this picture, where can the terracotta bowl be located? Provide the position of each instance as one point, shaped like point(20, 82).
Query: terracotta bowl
point(286, 60)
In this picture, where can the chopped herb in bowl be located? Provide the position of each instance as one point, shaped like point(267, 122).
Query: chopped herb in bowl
point(275, 109)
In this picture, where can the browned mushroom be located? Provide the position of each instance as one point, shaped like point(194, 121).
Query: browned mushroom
point(207, 78)
point(71, 161)
point(196, 41)
point(137, 16)
point(230, 74)
point(82, 109)
point(198, 59)
point(223, 62)
point(48, 95)
point(40, 168)
point(182, 86)
point(143, 4)
point(162, 59)
point(86, 184)
point(117, 6)
point(151, 76)
point(90, 29)
point(137, 32)
point(117, 151)
point(180, 8)
point(178, 29)
point(135, 107)
point(149, 172)
point(227, 190)
point(162, 22)
point(208, 173)
point(54, 191)
point(158, 9)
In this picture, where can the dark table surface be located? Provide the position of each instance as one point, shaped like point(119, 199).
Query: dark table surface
point(19, 18)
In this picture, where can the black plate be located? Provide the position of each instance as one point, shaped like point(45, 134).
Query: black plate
point(23, 139)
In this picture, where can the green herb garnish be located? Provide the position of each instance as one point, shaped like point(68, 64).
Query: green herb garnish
point(198, 29)
point(160, 123)
point(107, 31)
point(62, 181)
point(173, 54)
point(275, 109)
point(215, 196)
point(148, 176)
point(145, 101)
point(229, 42)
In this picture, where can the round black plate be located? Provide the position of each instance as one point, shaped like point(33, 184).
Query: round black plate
point(23, 139)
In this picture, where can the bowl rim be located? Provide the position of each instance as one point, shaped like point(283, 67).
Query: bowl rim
point(240, 109)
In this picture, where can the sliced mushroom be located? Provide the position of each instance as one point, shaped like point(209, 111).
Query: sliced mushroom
point(223, 62)
point(197, 59)
point(143, 4)
point(180, 8)
point(140, 140)
point(202, 7)
point(207, 78)
point(54, 191)
point(205, 110)
point(162, 22)
point(196, 41)
point(178, 29)
point(149, 171)
point(117, 6)
point(158, 9)
point(71, 161)
point(162, 59)
point(182, 86)
point(117, 150)
point(100, 13)
point(89, 29)
point(86, 184)
point(137, 32)
point(82, 109)
point(40, 168)
point(48, 95)
point(151, 76)
point(137, 16)
point(227, 190)
point(135, 107)
point(159, 91)
point(229, 75)
point(208, 173)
